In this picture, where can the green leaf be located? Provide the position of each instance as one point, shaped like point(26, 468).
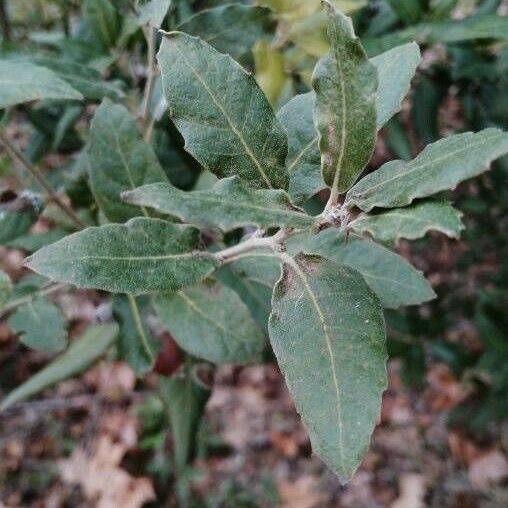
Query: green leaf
point(442, 165)
point(327, 331)
point(91, 345)
point(345, 83)
point(210, 321)
point(139, 256)
point(26, 82)
point(41, 324)
point(226, 120)
point(119, 160)
point(5, 289)
point(304, 159)
point(185, 398)
point(389, 275)
point(103, 20)
point(229, 204)
point(261, 266)
point(136, 346)
point(408, 11)
point(153, 12)
point(18, 216)
point(230, 29)
point(395, 69)
point(411, 222)
point(84, 79)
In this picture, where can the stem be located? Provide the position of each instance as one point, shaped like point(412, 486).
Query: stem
point(4, 22)
point(333, 200)
point(26, 299)
point(17, 156)
point(139, 326)
point(152, 71)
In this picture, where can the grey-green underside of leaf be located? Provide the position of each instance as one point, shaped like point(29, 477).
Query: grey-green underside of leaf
point(442, 165)
point(137, 257)
point(226, 120)
point(119, 160)
point(210, 321)
point(412, 222)
point(25, 82)
point(345, 83)
point(390, 276)
point(229, 204)
point(232, 29)
point(304, 158)
point(327, 331)
point(94, 342)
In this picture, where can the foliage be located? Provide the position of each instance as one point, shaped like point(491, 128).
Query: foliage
point(215, 257)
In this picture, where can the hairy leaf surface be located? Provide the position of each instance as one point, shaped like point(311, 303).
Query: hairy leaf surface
point(345, 83)
point(411, 222)
point(229, 204)
point(389, 275)
point(226, 120)
point(231, 29)
point(5, 288)
point(327, 331)
point(210, 321)
point(24, 82)
point(119, 160)
point(139, 256)
point(88, 348)
point(442, 165)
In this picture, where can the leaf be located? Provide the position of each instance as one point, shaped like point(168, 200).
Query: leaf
point(412, 222)
point(85, 80)
point(226, 121)
point(119, 160)
point(18, 215)
point(153, 12)
point(229, 204)
point(5, 289)
point(41, 324)
point(389, 275)
point(261, 266)
point(185, 398)
point(395, 69)
point(304, 159)
point(327, 332)
point(230, 29)
point(139, 256)
point(345, 83)
point(442, 165)
point(210, 321)
point(408, 11)
point(103, 20)
point(26, 82)
point(136, 346)
point(90, 346)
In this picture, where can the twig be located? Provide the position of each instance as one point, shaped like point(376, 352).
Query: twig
point(26, 299)
point(152, 71)
point(17, 156)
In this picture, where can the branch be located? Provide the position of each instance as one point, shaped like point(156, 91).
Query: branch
point(17, 156)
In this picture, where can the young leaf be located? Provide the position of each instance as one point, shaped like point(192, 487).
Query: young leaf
point(226, 120)
point(41, 324)
point(345, 83)
point(92, 344)
point(395, 69)
point(210, 321)
point(411, 222)
point(389, 275)
point(229, 204)
point(231, 29)
point(139, 256)
point(442, 165)
point(24, 82)
point(5, 288)
point(304, 159)
point(153, 12)
point(135, 344)
point(327, 331)
point(119, 160)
